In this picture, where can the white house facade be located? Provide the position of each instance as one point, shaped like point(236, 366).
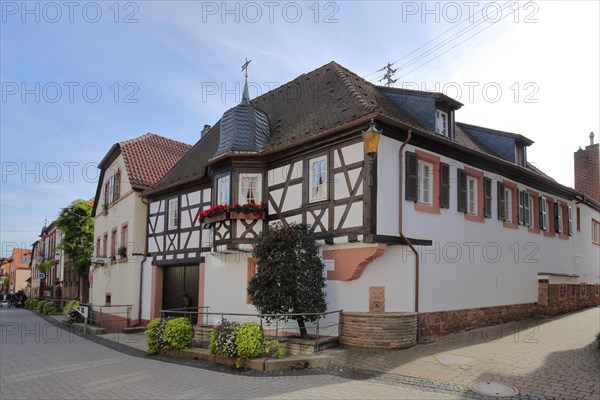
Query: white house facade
point(447, 220)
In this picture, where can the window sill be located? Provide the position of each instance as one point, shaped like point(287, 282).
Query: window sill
point(548, 234)
point(533, 230)
point(474, 217)
point(427, 208)
point(563, 236)
point(511, 225)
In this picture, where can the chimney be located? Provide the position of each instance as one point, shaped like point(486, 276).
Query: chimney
point(205, 130)
point(587, 170)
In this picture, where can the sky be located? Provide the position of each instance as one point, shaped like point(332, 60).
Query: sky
point(77, 77)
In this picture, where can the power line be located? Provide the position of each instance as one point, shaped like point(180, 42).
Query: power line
point(442, 44)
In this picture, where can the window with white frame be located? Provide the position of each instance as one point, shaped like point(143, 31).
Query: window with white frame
point(425, 185)
point(595, 231)
point(441, 123)
point(508, 204)
point(530, 211)
point(250, 185)
point(317, 179)
point(570, 221)
point(559, 217)
point(223, 190)
point(173, 221)
point(472, 195)
point(543, 213)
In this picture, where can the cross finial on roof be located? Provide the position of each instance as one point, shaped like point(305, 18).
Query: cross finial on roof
point(245, 67)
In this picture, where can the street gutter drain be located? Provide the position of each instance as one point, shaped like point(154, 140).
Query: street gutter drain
point(493, 389)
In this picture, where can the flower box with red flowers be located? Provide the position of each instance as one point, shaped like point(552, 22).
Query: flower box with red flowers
point(248, 211)
point(216, 213)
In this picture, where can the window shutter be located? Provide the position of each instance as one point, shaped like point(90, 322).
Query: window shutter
point(462, 190)
point(487, 182)
point(570, 215)
point(526, 208)
point(556, 217)
point(444, 185)
point(501, 202)
point(521, 199)
point(412, 179)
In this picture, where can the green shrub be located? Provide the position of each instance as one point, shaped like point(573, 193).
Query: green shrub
point(49, 307)
point(26, 304)
point(32, 304)
point(222, 338)
point(70, 304)
point(40, 305)
point(156, 335)
point(272, 348)
point(178, 333)
point(249, 341)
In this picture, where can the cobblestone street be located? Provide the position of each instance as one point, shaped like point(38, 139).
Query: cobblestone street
point(542, 358)
point(40, 361)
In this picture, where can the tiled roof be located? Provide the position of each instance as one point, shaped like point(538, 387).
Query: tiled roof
point(148, 157)
point(21, 258)
point(315, 102)
point(323, 99)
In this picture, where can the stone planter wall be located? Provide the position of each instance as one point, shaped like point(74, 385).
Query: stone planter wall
point(379, 330)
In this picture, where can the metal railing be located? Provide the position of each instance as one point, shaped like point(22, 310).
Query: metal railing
point(107, 316)
point(326, 325)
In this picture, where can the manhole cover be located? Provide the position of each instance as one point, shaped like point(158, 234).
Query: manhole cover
point(493, 389)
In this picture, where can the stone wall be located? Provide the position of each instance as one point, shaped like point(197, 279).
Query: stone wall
point(378, 330)
point(436, 324)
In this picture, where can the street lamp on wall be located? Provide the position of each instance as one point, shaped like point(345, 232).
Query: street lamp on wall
point(371, 141)
point(371, 138)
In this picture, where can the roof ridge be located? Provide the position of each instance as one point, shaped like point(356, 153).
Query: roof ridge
point(342, 73)
point(150, 135)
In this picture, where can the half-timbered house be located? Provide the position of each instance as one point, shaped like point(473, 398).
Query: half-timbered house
point(447, 219)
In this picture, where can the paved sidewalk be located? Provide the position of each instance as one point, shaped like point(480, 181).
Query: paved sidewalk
point(548, 358)
point(555, 357)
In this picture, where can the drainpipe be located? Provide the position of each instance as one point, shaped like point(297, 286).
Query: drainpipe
point(400, 191)
point(139, 320)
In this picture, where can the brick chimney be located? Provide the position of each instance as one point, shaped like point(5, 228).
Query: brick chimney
point(587, 169)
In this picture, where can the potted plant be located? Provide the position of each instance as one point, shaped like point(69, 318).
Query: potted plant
point(105, 208)
point(122, 251)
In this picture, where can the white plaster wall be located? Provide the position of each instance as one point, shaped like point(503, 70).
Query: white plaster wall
point(387, 188)
point(587, 254)
point(394, 270)
point(147, 288)
point(225, 287)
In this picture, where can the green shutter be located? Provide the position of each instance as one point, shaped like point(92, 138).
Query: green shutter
point(444, 185)
point(501, 201)
point(462, 190)
point(412, 180)
point(487, 186)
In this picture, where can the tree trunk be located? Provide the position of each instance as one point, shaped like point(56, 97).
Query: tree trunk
point(303, 333)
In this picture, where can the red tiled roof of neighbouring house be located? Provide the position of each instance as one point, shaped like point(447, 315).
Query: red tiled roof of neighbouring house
point(149, 157)
point(21, 258)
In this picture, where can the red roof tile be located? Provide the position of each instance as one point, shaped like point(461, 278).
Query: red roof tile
point(149, 157)
point(21, 257)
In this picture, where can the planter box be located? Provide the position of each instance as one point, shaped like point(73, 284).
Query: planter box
point(212, 220)
point(258, 215)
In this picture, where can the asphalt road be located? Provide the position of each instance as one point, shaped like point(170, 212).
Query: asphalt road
point(38, 360)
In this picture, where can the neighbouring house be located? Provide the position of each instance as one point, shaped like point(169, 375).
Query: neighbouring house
point(19, 270)
point(120, 216)
point(36, 257)
point(448, 220)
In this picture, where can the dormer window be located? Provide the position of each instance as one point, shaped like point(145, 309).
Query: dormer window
point(520, 156)
point(441, 123)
